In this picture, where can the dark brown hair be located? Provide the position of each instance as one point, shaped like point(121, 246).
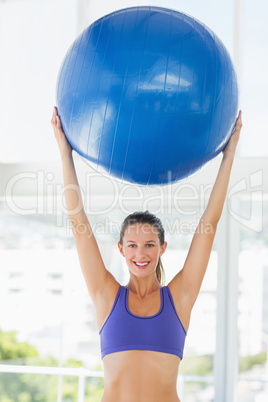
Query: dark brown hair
point(148, 219)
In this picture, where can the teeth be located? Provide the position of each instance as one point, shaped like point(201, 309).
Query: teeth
point(141, 264)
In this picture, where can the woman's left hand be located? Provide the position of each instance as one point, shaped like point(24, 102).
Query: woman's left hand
point(230, 148)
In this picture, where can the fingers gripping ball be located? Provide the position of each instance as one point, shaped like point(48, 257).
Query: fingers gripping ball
point(147, 95)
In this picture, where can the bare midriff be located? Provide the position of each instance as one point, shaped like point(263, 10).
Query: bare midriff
point(140, 376)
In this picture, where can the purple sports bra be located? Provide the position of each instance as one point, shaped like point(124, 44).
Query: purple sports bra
point(161, 332)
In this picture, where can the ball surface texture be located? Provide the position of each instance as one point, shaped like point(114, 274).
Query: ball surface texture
point(147, 95)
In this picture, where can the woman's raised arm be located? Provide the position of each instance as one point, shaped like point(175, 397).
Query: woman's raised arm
point(186, 284)
point(97, 277)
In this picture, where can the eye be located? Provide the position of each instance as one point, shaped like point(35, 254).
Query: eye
point(132, 245)
point(149, 245)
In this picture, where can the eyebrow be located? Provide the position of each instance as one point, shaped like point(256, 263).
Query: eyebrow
point(148, 241)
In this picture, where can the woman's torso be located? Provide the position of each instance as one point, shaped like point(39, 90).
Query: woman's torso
point(139, 375)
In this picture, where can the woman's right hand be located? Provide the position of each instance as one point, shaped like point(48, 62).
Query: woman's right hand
point(64, 146)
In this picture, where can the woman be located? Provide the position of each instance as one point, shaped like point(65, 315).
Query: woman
point(142, 325)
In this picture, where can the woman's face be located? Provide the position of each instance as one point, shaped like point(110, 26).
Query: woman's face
point(141, 249)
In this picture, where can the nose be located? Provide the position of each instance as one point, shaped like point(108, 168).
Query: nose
point(140, 253)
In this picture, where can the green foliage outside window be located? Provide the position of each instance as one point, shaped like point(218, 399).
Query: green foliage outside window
point(39, 387)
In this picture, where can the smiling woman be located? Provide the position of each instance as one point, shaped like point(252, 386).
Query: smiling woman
point(142, 325)
point(147, 227)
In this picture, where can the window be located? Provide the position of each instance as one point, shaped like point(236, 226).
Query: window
point(253, 307)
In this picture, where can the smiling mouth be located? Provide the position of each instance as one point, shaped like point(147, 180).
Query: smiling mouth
point(141, 265)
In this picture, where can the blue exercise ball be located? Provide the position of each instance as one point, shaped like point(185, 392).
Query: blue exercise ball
point(147, 95)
